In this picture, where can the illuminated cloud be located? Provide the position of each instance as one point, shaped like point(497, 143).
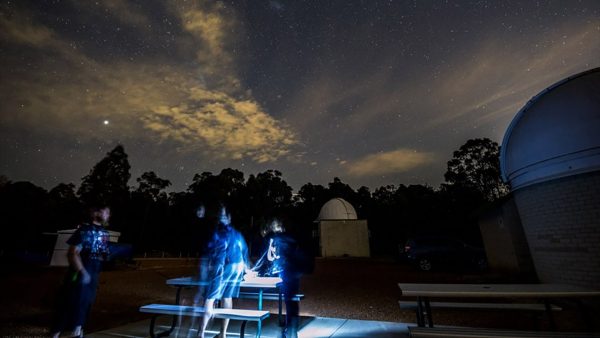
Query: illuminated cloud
point(200, 107)
point(391, 162)
point(222, 126)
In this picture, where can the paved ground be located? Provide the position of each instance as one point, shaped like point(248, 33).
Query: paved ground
point(355, 289)
point(310, 327)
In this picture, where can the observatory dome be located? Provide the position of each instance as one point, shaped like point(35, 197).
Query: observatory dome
point(337, 209)
point(556, 134)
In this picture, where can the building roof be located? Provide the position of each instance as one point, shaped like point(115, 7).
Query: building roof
point(337, 209)
point(556, 134)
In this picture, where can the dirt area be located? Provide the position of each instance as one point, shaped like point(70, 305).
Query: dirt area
point(342, 288)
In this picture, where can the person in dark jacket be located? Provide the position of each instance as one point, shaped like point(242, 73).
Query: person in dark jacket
point(88, 248)
point(286, 258)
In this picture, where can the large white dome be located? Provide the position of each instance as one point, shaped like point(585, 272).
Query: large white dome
point(556, 134)
point(337, 209)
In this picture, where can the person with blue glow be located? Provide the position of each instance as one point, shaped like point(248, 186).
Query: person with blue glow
point(225, 265)
point(285, 258)
point(88, 248)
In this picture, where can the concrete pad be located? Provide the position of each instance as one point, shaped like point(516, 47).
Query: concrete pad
point(320, 327)
point(310, 327)
point(371, 329)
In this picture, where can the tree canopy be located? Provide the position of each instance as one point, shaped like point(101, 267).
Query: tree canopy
point(152, 219)
point(476, 167)
point(107, 181)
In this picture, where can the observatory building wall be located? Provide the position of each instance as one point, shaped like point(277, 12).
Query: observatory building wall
point(341, 238)
point(550, 155)
point(561, 220)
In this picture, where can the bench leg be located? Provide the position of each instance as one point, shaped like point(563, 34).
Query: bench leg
point(281, 322)
point(429, 315)
point(585, 315)
point(243, 329)
point(550, 315)
point(420, 319)
point(259, 329)
point(160, 334)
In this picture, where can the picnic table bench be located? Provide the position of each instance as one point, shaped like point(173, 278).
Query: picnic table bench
point(413, 305)
point(545, 292)
point(260, 288)
point(197, 311)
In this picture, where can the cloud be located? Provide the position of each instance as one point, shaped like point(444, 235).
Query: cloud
point(391, 162)
point(222, 125)
point(18, 28)
point(145, 99)
point(482, 82)
point(125, 12)
point(499, 79)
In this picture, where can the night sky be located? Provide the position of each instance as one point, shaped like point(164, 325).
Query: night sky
point(373, 92)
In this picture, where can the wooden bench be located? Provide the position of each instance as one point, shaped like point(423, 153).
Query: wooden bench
point(466, 332)
point(197, 311)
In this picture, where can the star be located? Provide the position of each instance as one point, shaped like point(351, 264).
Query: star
point(106, 122)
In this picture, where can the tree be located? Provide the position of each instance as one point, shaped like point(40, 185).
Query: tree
point(309, 200)
point(476, 167)
point(3, 181)
point(24, 209)
point(65, 208)
point(337, 188)
point(147, 211)
point(107, 181)
point(222, 188)
point(150, 185)
point(268, 194)
point(364, 201)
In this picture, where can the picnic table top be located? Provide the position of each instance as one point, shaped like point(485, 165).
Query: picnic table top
point(496, 290)
point(256, 282)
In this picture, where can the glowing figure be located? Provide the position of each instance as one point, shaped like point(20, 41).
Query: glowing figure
point(272, 251)
point(226, 263)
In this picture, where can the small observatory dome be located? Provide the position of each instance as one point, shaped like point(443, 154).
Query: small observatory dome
point(337, 209)
point(556, 134)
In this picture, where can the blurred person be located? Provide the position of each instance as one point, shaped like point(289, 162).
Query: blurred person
point(267, 265)
point(88, 248)
point(285, 257)
point(224, 267)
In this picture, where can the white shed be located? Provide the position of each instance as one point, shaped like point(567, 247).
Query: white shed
point(341, 233)
point(59, 256)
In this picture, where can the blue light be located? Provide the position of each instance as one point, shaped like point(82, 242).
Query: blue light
point(224, 217)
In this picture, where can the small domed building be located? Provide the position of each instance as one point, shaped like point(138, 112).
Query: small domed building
point(340, 231)
point(550, 156)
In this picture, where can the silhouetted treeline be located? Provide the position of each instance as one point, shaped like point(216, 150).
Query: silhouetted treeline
point(155, 221)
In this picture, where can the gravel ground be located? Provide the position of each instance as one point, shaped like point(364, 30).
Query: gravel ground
point(343, 288)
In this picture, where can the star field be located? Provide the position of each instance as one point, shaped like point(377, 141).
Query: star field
point(373, 92)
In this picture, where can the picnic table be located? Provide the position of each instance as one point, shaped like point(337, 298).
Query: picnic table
point(259, 284)
point(545, 292)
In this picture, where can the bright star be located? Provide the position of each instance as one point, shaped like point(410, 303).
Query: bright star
point(106, 122)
